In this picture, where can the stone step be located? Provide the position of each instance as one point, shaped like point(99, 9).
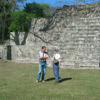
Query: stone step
point(84, 19)
point(74, 44)
point(80, 20)
point(79, 56)
point(83, 27)
point(75, 31)
point(82, 54)
point(87, 20)
point(85, 55)
point(85, 38)
point(78, 39)
point(82, 24)
point(81, 63)
point(79, 34)
point(88, 63)
point(81, 43)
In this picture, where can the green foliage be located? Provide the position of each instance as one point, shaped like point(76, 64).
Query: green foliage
point(48, 15)
point(31, 10)
point(45, 7)
point(31, 15)
point(20, 22)
point(34, 8)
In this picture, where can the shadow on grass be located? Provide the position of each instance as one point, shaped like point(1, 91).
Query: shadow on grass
point(64, 79)
point(49, 79)
point(61, 79)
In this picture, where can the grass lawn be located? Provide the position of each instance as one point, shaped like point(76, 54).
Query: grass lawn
point(17, 82)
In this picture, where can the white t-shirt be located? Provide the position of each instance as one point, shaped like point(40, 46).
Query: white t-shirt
point(57, 56)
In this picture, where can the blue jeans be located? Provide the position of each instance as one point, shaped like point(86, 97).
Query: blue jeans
point(42, 66)
point(56, 71)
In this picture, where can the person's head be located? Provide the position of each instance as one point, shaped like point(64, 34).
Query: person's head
point(55, 51)
point(43, 48)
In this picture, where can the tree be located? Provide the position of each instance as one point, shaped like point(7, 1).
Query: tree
point(6, 9)
point(5, 15)
point(46, 9)
point(20, 22)
point(21, 18)
point(34, 8)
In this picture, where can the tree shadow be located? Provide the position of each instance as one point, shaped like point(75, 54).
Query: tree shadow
point(48, 25)
point(51, 22)
point(17, 40)
point(64, 79)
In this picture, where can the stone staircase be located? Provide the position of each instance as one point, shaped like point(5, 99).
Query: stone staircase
point(79, 46)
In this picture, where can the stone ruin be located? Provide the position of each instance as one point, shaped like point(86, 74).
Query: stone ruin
point(74, 30)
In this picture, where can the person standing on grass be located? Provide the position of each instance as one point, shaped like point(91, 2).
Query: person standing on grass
point(42, 63)
point(56, 64)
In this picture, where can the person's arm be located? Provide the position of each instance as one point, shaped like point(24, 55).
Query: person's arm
point(46, 57)
point(59, 62)
point(50, 57)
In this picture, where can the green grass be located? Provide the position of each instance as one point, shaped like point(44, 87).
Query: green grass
point(17, 82)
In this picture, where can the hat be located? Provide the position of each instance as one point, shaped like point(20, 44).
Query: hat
point(56, 50)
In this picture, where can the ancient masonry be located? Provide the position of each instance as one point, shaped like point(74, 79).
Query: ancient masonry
point(74, 30)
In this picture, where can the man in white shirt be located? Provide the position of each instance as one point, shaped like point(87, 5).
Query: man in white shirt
point(42, 63)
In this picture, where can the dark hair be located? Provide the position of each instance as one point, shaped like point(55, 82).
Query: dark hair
point(43, 47)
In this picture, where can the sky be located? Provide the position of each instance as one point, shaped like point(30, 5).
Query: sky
point(53, 2)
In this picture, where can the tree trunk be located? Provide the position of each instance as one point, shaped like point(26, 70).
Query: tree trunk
point(3, 23)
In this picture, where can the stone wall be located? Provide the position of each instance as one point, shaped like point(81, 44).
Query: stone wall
point(92, 9)
point(3, 52)
point(76, 36)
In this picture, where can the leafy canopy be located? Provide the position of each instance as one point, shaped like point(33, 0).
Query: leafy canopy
point(20, 21)
point(34, 8)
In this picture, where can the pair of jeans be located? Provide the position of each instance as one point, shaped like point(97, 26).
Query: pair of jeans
point(42, 67)
point(56, 71)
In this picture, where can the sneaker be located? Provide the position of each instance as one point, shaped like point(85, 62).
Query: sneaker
point(37, 81)
point(43, 80)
